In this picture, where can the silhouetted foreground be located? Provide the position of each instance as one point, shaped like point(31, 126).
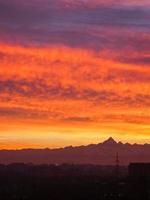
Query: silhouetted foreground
point(70, 182)
point(96, 154)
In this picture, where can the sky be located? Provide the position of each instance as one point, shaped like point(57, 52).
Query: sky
point(74, 72)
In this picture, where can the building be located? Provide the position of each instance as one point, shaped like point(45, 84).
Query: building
point(139, 170)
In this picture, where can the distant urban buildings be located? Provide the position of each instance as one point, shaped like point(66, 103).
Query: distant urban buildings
point(139, 170)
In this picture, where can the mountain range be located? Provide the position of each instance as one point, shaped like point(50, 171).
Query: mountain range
point(104, 153)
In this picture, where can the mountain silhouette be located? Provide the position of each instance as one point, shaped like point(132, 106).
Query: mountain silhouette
point(102, 153)
point(110, 141)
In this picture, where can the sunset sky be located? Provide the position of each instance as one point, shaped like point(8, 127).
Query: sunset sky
point(74, 72)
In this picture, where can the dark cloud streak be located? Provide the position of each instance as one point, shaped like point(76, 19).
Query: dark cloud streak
point(111, 27)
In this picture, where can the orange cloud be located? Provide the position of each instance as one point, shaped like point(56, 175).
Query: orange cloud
point(68, 87)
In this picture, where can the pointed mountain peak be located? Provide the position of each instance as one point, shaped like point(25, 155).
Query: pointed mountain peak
point(110, 141)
